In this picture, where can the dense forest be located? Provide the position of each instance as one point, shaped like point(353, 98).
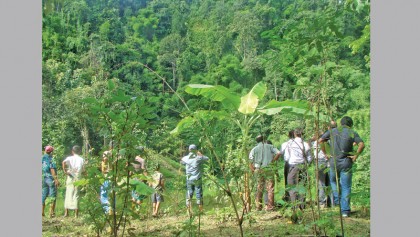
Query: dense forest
point(164, 74)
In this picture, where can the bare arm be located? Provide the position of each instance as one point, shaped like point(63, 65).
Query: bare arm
point(276, 157)
point(251, 166)
point(162, 183)
point(202, 157)
point(54, 174)
point(64, 167)
point(360, 148)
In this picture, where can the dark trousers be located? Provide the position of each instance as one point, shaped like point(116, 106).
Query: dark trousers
point(325, 197)
point(286, 196)
point(296, 179)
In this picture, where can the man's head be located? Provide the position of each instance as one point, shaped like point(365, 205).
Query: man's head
point(49, 149)
point(333, 124)
point(76, 149)
point(259, 138)
point(291, 134)
point(111, 145)
point(298, 132)
point(140, 149)
point(347, 121)
point(192, 148)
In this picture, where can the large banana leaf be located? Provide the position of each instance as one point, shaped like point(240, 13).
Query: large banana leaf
point(298, 107)
point(185, 122)
point(249, 102)
point(259, 89)
point(229, 99)
point(188, 122)
point(274, 107)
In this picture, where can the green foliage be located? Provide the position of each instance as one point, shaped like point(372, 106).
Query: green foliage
point(122, 118)
point(273, 66)
point(215, 93)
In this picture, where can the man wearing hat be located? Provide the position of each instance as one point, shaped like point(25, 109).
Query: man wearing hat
point(193, 169)
point(49, 179)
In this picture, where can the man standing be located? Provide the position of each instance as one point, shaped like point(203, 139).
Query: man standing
point(323, 177)
point(139, 167)
point(158, 184)
point(106, 185)
point(298, 154)
point(72, 166)
point(261, 156)
point(49, 180)
point(341, 142)
point(193, 169)
point(291, 135)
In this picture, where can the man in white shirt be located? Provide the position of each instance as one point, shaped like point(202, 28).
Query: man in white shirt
point(291, 135)
point(298, 154)
point(73, 166)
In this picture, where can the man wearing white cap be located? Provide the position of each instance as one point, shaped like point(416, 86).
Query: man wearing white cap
point(193, 165)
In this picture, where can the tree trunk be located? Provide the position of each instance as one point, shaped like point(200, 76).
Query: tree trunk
point(85, 136)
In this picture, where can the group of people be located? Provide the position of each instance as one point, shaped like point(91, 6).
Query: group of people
point(138, 173)
point(73, 167)
point(296, 153)
point(334, 166)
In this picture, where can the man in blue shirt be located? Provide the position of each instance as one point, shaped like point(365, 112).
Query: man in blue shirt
point(193, 170)
point(49, 180)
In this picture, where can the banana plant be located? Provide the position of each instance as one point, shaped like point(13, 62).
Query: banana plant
point(244, 111)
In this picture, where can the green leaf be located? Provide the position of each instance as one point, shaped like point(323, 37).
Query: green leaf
point(274, 107)
point(154, 99)
point(229, 99)
point(143, 189)
point(89, 100)
point(297, 107)
point(81, 182)
point(187, 122)
point(121, 98)
point(111, 85)
point(249, 103)
point(122, 152)
point(259, 89)
point(181, 124)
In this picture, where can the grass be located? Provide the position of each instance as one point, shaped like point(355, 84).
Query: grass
point(218, 220)
point(168, 224)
